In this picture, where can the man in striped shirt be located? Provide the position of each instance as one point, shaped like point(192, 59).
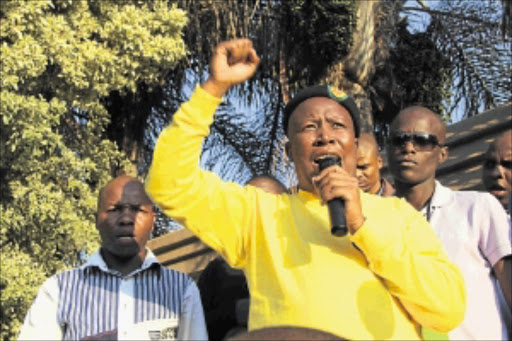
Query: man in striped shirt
point(121, 292)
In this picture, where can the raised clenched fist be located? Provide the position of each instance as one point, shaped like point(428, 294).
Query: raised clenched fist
point(233, 62)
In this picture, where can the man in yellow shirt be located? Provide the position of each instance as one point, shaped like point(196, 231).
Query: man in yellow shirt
point(382, 280)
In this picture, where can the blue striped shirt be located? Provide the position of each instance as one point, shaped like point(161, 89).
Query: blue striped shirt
point(95, 302)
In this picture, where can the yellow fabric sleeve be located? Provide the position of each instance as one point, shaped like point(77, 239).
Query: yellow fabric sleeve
point(193, 196)
point(415, 267)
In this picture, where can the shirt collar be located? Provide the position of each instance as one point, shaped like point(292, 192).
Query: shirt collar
point(442, 195)
point(307, 196)
point(97, 261)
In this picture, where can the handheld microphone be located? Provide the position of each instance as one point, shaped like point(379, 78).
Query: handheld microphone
point(337, 205)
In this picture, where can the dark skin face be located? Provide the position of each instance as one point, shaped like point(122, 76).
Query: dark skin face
point(369, 163)
point(411, 167)
point(496, 177)
point(125, 220)
point(318, 127)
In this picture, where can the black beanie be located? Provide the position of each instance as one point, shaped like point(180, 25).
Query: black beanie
point(323, 91)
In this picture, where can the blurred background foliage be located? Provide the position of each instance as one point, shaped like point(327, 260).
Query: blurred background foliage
point(87, 86)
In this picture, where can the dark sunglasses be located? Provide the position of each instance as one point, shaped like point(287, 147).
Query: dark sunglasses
point(490, 164)
point(420, 141)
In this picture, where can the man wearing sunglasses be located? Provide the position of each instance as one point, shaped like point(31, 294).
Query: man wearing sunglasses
point(497, 169)
point(472, 226)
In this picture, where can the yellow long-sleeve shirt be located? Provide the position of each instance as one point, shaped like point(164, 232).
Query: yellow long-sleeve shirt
point(297, 272)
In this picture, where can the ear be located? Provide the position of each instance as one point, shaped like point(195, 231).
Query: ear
point(288, 150)
point(443, 154)
point(379, 161)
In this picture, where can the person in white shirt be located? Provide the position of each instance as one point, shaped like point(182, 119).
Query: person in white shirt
point(497, 169)
point(122, 292)
point(472, 226)
point(497, 180)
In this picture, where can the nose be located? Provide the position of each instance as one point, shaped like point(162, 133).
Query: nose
point(493, 169)
point(408, 147)
point(127, 216)
point(497, 172)
point(323, 137)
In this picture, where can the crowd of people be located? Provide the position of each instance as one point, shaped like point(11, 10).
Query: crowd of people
point(419, 259)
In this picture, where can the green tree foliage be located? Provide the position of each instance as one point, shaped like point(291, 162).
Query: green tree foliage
point(61, 61)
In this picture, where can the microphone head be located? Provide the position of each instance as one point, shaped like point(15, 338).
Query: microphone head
point(328, 162)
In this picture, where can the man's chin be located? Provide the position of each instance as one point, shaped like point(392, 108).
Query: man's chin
point(499, 194)
point(409, 178)
point(365, 188)
point(125, 251)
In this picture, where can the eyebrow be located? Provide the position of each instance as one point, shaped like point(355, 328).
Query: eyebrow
point(128, 203)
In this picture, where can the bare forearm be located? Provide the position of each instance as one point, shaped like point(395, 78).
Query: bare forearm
point(503, 271)
point(214, 88)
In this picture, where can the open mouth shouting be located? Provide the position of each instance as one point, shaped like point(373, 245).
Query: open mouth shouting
point(326, 160)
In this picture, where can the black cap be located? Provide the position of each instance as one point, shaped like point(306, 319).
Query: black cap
point(323, 91)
